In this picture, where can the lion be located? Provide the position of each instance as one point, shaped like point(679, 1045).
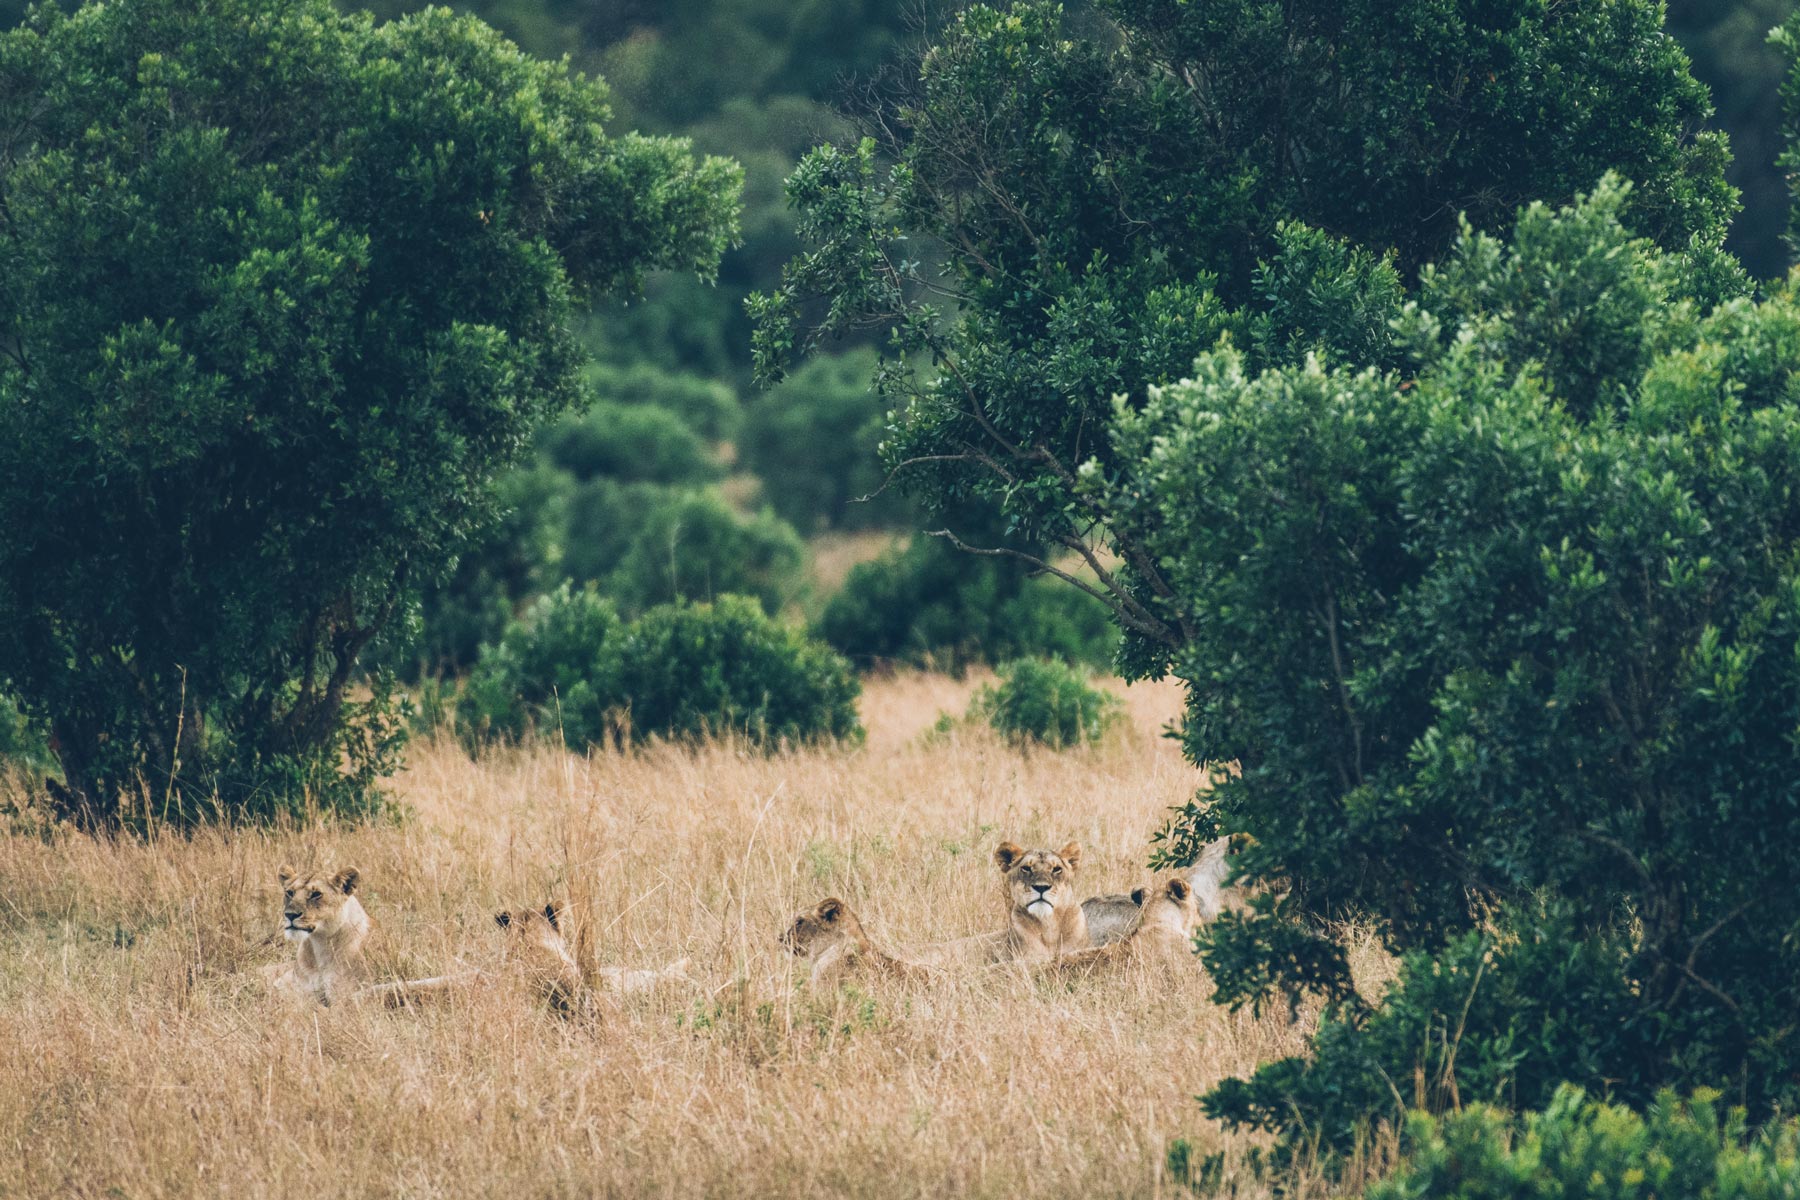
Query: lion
point(1043, 922)
point(537, 944)
point(834, 939)
point(1169, 913)
point(321, 914)
point(1112, 918)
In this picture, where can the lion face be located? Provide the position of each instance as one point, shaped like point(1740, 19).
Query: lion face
point(316, 903)
point(536, 931)
point(1170, 905)
point(817, 928)
point(1038, 882)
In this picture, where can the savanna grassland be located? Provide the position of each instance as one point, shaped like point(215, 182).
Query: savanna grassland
point(143, 1057)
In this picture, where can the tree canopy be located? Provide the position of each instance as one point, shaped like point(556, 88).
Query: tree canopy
point(280, 291)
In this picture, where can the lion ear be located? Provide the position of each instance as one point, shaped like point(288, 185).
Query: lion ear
point(1137, 897)
point(285, 873)
point(1071, 854)
point(345, 880)
point(503, 920)
point(830, 910)
point(1179, 889)
point(1237, 843)
point(1006, 854)
point(553, 912)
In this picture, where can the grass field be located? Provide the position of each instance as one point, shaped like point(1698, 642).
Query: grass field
point(140, 1055)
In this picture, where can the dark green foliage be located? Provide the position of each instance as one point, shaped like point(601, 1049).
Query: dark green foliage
point(279, 290)
point(1046, 703)
point(693, 546)
point(1728, 42)
point(690, 670)
point(932, 604)
point(21, 740)
point(549, 673)
point(570, 669)
point(1502, 1019)
point(631, 444)
point(813, 441)
point(1048, 220)
point(518, 555)
point(1518, 623)
point(707, 407)
point(1577, 1149)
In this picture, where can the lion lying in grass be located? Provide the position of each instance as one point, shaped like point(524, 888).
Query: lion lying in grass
point(330, 928)
point(536, 945)
point(1169, 915)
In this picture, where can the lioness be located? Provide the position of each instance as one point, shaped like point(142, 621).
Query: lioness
point(321, 913)
point(537, 943)
point(832, 936)
point(1169, 912)
point(1113, 917)
point(1043, 920)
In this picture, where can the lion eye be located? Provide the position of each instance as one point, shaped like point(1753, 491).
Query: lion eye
point(317, 896)
point(288, 893)
point(1056, 870)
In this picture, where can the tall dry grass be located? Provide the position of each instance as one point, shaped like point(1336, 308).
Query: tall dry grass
point(140, 1055)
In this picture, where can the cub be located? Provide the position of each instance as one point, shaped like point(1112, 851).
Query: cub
point(537, 943)
point(833, 938)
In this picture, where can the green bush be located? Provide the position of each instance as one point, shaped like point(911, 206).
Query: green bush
point(1047, 703)
point(931, 604)
point(550, 673)
point(689, 670)
point(630, 443)
point(570, 669)
point(693, 546)
point(706, 406)
point(813, 441)
point(1576, 1149)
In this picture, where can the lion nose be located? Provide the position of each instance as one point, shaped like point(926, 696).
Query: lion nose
point(1041, 888)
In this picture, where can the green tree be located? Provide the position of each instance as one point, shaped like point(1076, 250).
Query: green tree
point(1499, 643)
point(1104, 207)
point(279, 291)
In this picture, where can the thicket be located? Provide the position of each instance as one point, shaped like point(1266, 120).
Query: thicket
point(1044, 702)
point(571, 669)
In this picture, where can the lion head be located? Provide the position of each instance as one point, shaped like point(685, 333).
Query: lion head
point(1039, 883)
point(318, 904)
point(536, 944)
point(820, 927)
point(1169, 905)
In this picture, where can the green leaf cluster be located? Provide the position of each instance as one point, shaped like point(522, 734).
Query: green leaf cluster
point(280, 291)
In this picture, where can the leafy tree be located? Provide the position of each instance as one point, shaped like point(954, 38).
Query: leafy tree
point(279, 291)
point(1104, 208)
point(1513, 628)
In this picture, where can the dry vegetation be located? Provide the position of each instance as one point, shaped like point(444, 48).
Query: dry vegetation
point(141, 1056)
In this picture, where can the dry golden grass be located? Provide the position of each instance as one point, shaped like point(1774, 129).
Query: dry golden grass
point(142, 1057)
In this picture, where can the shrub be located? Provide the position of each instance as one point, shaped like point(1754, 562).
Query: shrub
point(813, 441)
point(629, 443)
point(1047, 703)
point(569, 667)
point(688, 670)
point(549, 673)
point(930, 604)
point(692, 546)
point(706, 406)
point(1515, 627)
point(1576, 1149)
